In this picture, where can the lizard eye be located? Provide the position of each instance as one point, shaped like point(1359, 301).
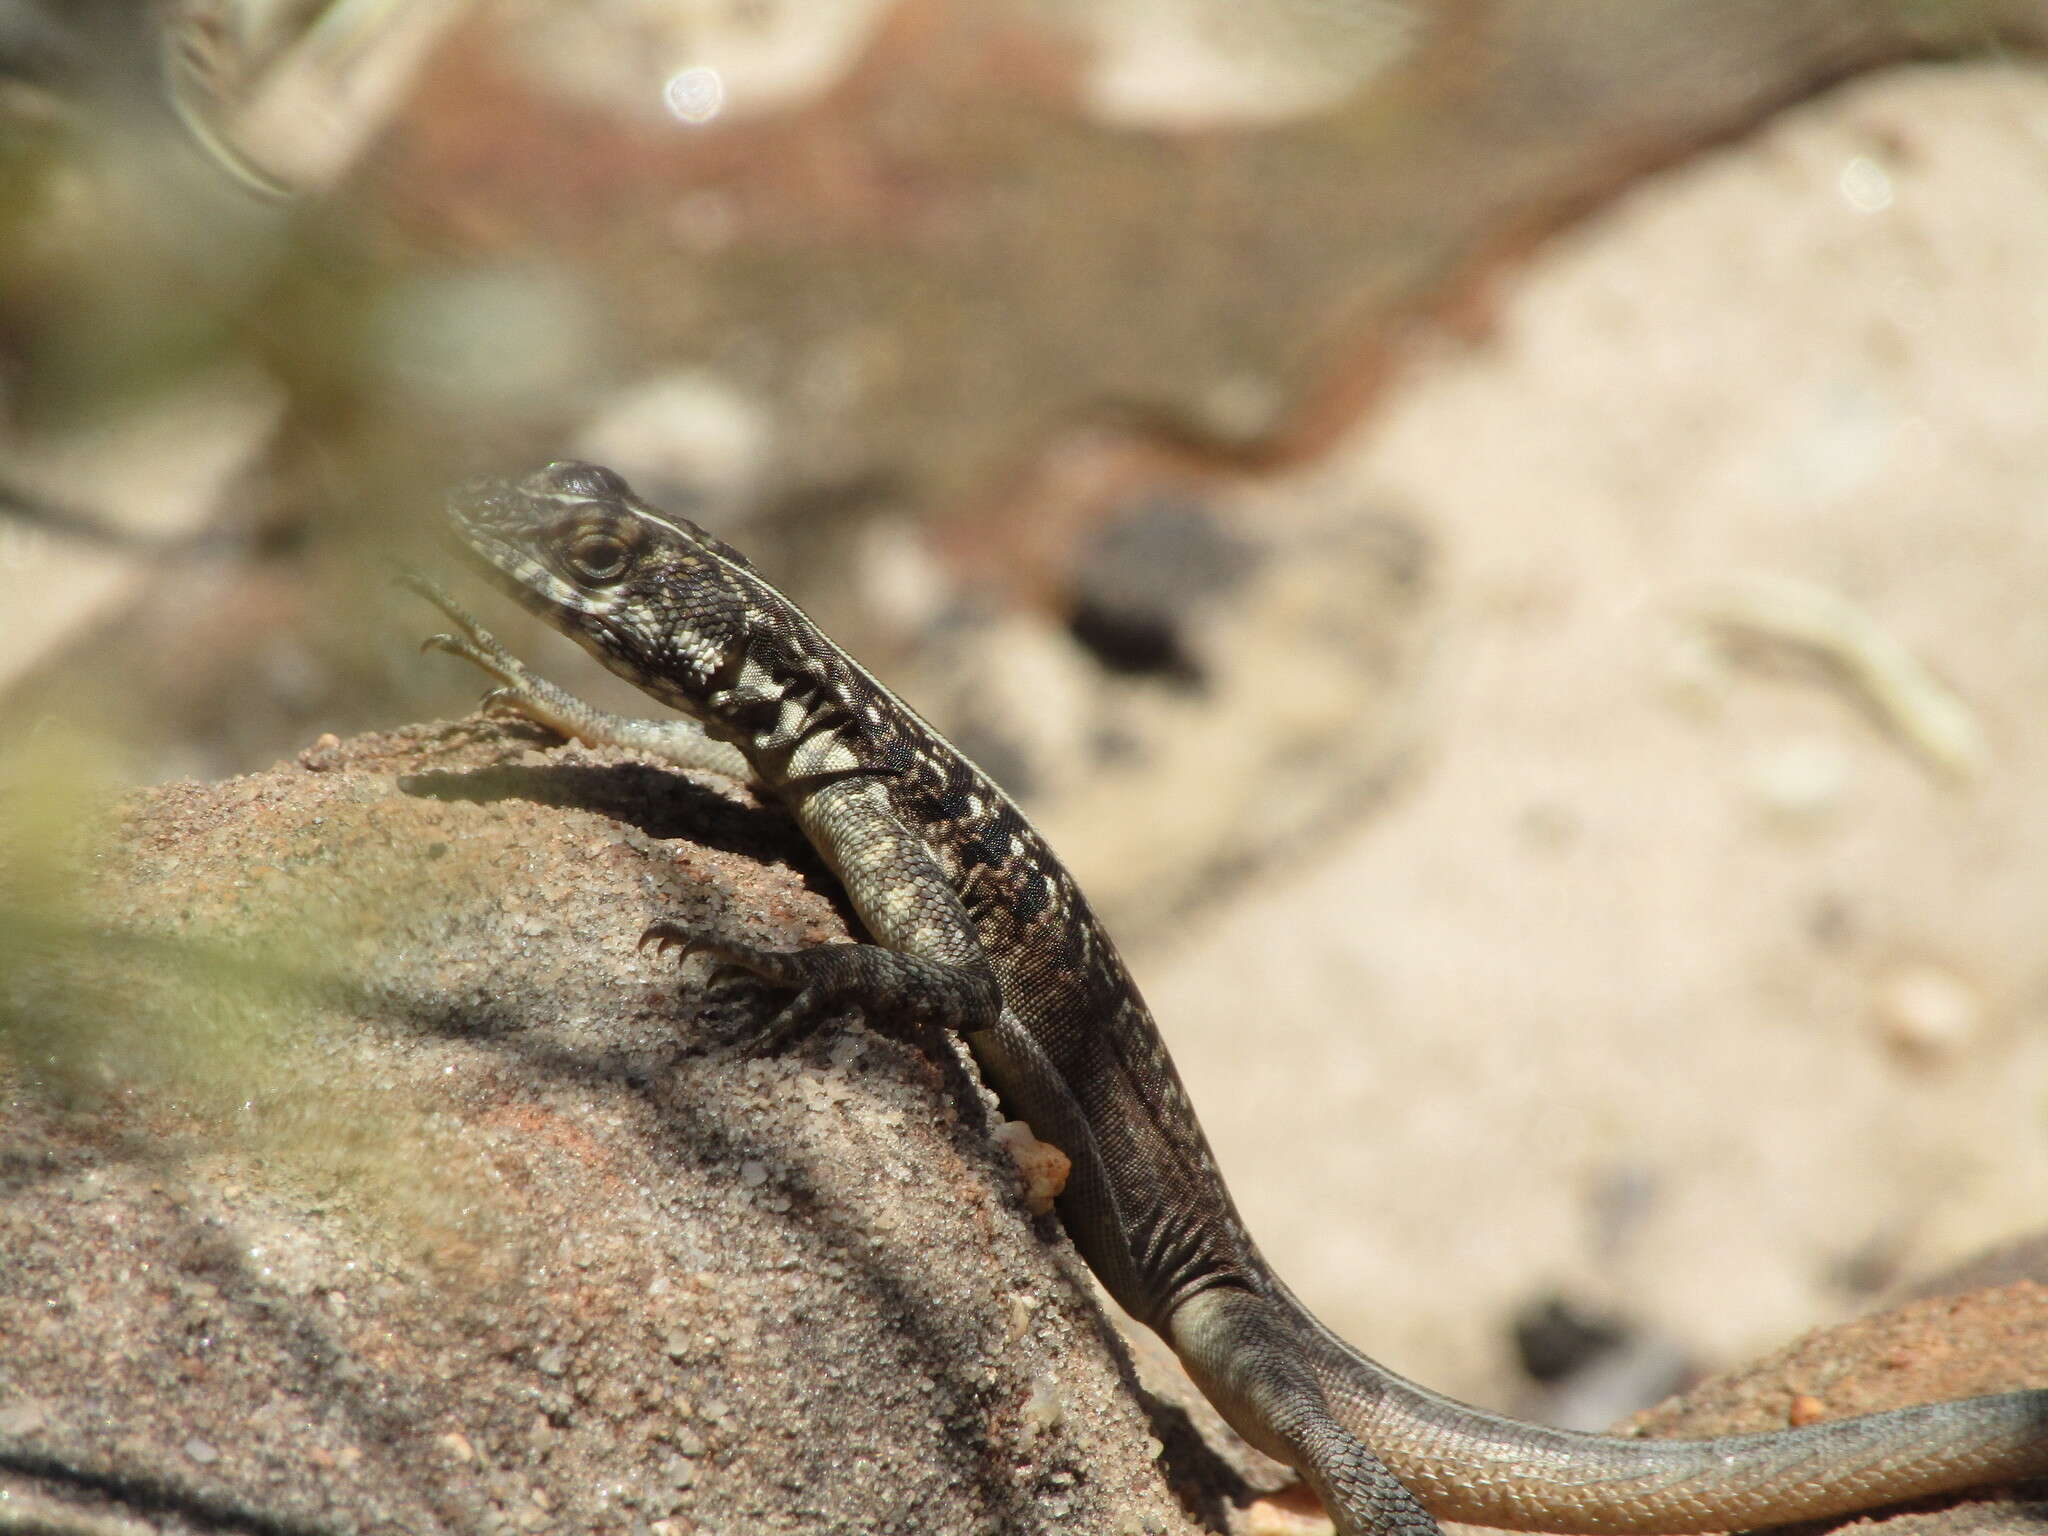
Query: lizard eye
point(599, 558)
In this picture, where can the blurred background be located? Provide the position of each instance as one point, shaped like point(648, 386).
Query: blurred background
point(1503, 541)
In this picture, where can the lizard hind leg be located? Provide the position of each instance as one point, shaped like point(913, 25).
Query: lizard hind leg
point(1245, 1354)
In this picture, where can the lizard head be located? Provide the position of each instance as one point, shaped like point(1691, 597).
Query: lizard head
point(650, 594)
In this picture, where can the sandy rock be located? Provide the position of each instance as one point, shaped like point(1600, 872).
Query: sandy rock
point(1927, 1351)
point(359, 1175)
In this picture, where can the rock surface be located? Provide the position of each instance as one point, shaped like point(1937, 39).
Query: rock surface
point(1926, 1351)
point(359, 1175)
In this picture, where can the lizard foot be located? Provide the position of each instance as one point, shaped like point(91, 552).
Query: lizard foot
point(884, 984)
point(481, 649)
point(823, 983)
point(487, 657)
point(522, 693)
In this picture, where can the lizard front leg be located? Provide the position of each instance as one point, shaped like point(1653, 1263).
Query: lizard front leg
point(827, 978)
point(925, 966)
point(678, 742)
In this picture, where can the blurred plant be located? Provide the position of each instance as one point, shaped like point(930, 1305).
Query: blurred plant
point(281, 92)
point(224, 1008)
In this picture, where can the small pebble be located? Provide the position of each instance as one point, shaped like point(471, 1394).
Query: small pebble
point(1043, 1405)
point(1043, 1166)
point(1928, 1010)
point(1806, 1409)
point(1798, 780)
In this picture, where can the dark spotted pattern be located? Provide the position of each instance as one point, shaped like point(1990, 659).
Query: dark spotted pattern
point(691, 624)
point(977, 925)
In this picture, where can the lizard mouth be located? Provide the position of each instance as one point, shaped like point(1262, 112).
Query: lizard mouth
point(491, 522)
point(487, 507)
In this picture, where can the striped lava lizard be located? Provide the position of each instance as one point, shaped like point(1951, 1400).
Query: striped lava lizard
point(976, 926)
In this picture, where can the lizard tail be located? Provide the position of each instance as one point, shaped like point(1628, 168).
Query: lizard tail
point(1244, 1352)
point(1467, 1464)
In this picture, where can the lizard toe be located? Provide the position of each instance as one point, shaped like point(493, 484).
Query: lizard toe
point(729, 961)
point(799, 1018)
point(665, 936)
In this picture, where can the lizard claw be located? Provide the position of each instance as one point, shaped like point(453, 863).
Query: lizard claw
point(797, 1020)
point(687, 942)
point(667, 936)
point(802, 1014)
point(474, 643)
point(481, 650)
point(415, 580)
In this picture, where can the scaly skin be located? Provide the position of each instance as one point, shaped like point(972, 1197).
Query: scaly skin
point(976, 925)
